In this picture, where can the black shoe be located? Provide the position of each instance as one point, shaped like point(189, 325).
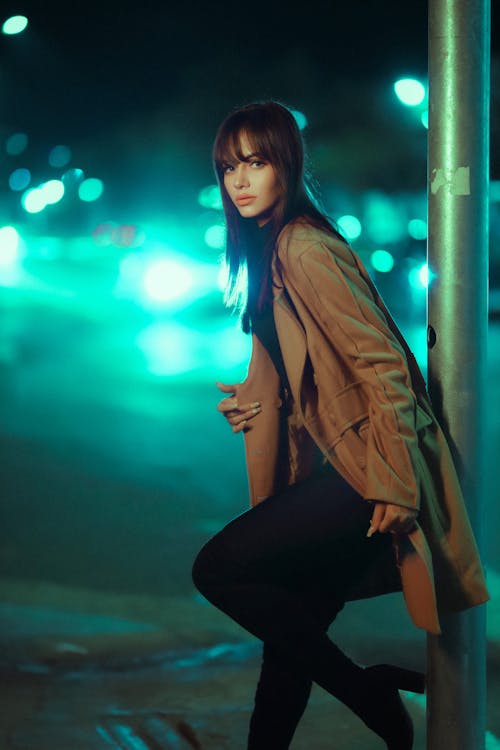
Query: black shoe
point(384, 711)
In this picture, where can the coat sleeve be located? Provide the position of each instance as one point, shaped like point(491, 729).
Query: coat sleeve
point(328, 281)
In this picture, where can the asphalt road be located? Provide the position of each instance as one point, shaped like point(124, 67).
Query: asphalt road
point(112, 478)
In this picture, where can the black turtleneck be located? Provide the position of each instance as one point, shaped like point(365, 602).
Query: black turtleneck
point(262, 321)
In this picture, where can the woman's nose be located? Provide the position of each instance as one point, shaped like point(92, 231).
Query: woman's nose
point(241, 176)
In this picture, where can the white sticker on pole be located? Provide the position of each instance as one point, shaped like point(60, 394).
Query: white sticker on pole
point(456, 181)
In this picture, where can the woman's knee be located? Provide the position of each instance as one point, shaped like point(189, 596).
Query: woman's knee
point(200, 570)
point(208, 567)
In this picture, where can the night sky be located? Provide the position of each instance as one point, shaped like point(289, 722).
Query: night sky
point(83, 59)
point(138, 89)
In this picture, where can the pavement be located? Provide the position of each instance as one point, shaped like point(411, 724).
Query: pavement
point(180, 675)
point(111, 482)
point(74, 681)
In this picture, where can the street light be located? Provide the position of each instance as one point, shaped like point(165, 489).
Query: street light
point(410, 91)
point(14, 25)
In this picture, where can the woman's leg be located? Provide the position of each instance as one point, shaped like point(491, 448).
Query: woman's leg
point(273, 568)
point(280, 700)
point(282, 695)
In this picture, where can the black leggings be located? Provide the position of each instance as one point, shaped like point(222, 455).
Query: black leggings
point(283, 570)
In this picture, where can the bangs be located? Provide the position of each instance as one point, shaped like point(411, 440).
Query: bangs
point(228, 146)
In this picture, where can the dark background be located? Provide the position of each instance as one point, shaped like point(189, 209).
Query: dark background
point(137, 90)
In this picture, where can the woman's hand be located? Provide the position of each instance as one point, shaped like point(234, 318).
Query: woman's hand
point(391, 518)
point(236, 414)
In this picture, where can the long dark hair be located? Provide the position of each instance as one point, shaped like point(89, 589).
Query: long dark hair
point(273, 133)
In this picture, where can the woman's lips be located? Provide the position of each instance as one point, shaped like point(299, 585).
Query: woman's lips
point(243, 200)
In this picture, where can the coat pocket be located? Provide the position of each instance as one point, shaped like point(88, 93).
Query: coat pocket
point(345, 425)
point(348, 409)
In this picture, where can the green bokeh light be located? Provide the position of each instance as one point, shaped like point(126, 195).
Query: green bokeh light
point(410, 91)
point(53, 191)
point(59, 156)
point(385, 220)
point(73, 177)
point(166, 280)
point(382, 261)
point(424, 119)
point(350, 226)
point(210, 197)
point(19, 179)
point(9, 246)
point(33, 200)
point(16, 144)
point(300, 119)
point(420, 277)
point(167, 347)
point(417, 228)
point(90, 189)
point(213, 350)
point(36, 199)
point(14, 25)
point(215, 236)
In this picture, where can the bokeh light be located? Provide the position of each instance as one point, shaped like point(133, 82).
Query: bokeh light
point(223, 276)
point(168, 348)
point(382, 261)
point(420, 277)
point(33, 200)
point(36, 199)
point(166, 280)
point(72, 178)
point(385, 220)
point(215, 236)
point(19, 179)
point(53, 191)
point(14, 25)
point(300, 119)
point(410, 91)
point(16, 144)
point(9, 246)
point(210, 197)
point(350, 226)
point(59, 156)
point(417, 228)
point(90, 189)
point(424, 118)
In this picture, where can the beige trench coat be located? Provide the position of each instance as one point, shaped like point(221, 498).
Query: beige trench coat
point(360, 398)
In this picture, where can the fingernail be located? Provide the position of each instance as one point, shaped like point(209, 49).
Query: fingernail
point(255, 404)
point(256, 411)
point(371, 532)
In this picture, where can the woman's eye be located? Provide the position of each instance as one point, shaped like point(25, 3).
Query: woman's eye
point(227, 168)
point(257, 163)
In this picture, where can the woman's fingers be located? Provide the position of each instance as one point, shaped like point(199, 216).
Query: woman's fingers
point(395, 519)
point(240, 416)
point(225, 388)
point(236, 414)
point(240, 421)
point(228, 405)
point(377, 517)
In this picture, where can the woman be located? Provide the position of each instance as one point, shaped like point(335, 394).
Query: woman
point(353, 489)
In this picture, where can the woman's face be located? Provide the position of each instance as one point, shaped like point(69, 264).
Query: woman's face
point(251, 184)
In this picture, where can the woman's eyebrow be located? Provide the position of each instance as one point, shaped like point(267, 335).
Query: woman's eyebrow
point(243, 157)
point(251, 156)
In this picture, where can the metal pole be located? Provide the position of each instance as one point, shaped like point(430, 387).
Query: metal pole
point(459, 36)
